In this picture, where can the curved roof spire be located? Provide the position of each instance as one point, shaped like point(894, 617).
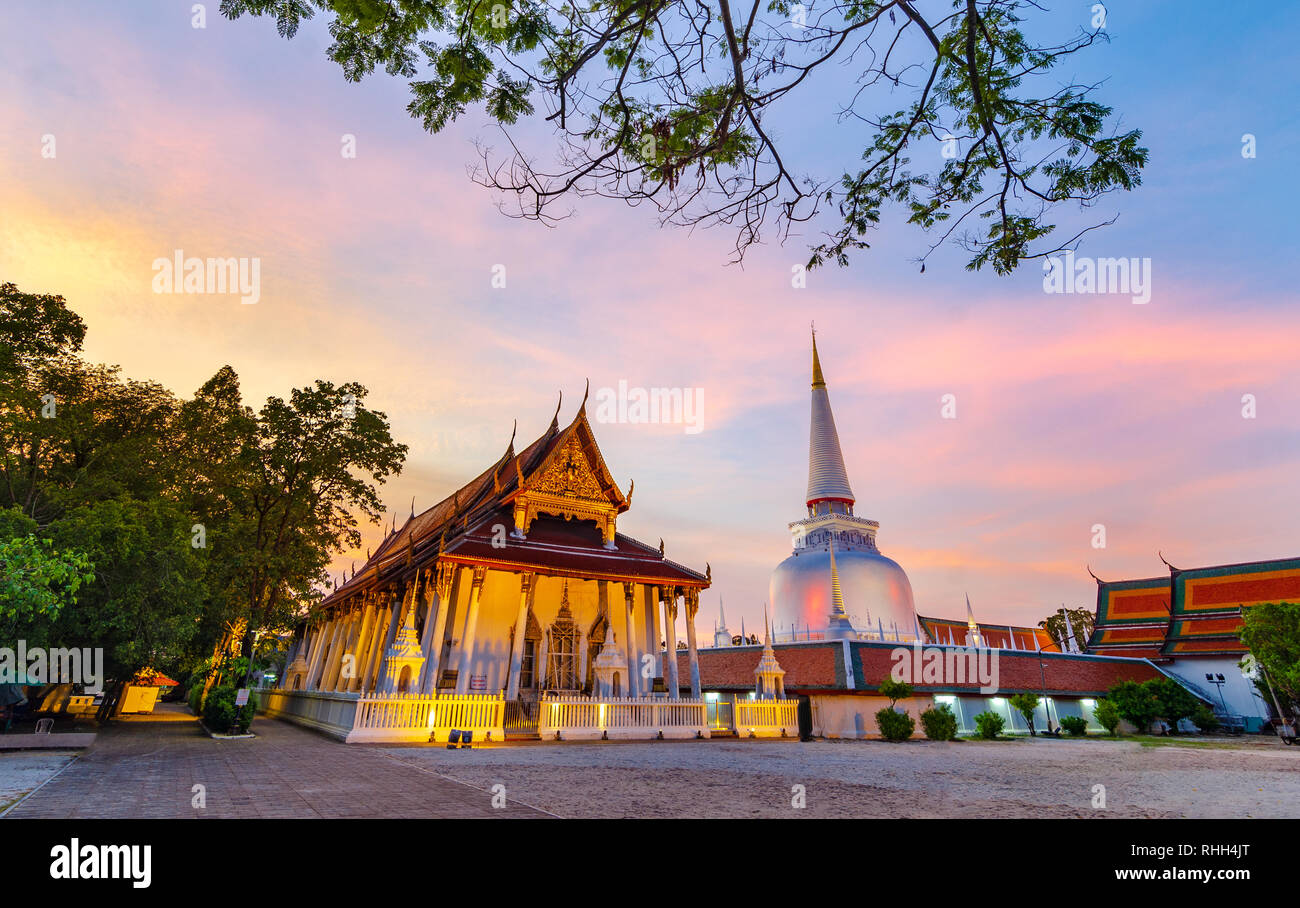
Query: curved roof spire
point(827, 478)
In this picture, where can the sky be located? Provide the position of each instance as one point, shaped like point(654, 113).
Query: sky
point(1072, 411)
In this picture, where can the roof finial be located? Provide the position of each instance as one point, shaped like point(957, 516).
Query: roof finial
point(1094, 576)
point(555, 420)
point(412, 505)
point(510, 448)
point(583, 406)
point(1167, 564)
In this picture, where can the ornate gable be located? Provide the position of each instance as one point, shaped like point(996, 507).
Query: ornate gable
point(571, 482)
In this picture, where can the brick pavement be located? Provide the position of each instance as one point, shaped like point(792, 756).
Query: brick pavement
point(147, 769)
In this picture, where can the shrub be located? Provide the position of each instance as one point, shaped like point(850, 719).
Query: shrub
point(1107, 715)
point(988, 725)
point(895, 726)
point(219, 712)
point(940, 723)
point(1204, 718)
point(196, 698)
point(1175, 702)
point(1025, 704)
point(895, 690)
point(1136, 703)
point(1075, 725)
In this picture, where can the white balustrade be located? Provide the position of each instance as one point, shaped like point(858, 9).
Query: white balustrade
point(573, 718)
point(767, 718)
point(389, 717)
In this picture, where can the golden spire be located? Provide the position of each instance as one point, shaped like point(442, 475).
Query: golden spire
point(837, 596)
point(818, 381)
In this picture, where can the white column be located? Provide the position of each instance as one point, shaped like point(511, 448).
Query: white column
point(521, 628)
point(629, 641)
point(670, 646)
point(313, 654)
point(692, 607)
point(471, 628)
point(327, 669)
point(445, 579)
point(351, 641)
point(394, 605)
point(363, 647)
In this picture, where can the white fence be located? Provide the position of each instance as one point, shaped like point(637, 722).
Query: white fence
point(767, 718)
point(389, 718)
point(419, 717)
point(574, 718)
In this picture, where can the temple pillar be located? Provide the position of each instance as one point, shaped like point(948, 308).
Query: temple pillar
point(314, 654)
point(521, 628)
point(393, 603)
point(366, 658)
point(327, 676)
point(652, 635)
point(670, 644)
point(444, 580)
point(633, 670)
point(363, 647)
point(471, 627)
point(692, 607)
point(351, 638)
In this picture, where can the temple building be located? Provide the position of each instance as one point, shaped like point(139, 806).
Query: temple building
point(1189, 624)
point(836, 584)
point(516, 587)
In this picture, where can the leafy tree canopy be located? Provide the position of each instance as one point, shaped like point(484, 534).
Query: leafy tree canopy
point(967, 127)
point(1272, 633)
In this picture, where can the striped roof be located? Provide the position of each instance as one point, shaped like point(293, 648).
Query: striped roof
point(1195, 611)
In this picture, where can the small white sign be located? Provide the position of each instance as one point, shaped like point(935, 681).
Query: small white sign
point(241, 697)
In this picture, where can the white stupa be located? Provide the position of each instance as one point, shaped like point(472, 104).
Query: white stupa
point(836, 583)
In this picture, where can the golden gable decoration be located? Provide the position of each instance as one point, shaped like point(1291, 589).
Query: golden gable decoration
point(572, 483)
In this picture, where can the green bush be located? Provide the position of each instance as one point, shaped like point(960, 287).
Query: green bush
point(895, 726)
point(1107, 715)
point(1025, 704)
point(940, 723)
point(1075, 725)
point(989, 725)
point(219, 712)
point(196, 698)
point(1204, 718)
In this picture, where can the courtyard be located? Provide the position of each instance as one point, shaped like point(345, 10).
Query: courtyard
point(150, 769)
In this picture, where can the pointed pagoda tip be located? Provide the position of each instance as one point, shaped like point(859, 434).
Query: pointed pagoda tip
point(1094, 577)
point(818, 381)
point(510, 448)
point(585, 393)
point(412, 506)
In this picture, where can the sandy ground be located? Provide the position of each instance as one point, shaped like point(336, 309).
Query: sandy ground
point(1017, 778)
point(21, 771)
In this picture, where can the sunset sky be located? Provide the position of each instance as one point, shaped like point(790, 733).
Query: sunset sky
point(1071, 410)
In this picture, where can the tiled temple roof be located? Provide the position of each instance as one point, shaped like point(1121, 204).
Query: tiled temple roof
point(460, 527)
point(1195, 611)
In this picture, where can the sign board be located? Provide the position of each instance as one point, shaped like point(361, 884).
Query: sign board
point(241, 697)
point(478, 682)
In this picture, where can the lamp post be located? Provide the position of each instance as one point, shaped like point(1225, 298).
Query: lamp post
point(1218, 681)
